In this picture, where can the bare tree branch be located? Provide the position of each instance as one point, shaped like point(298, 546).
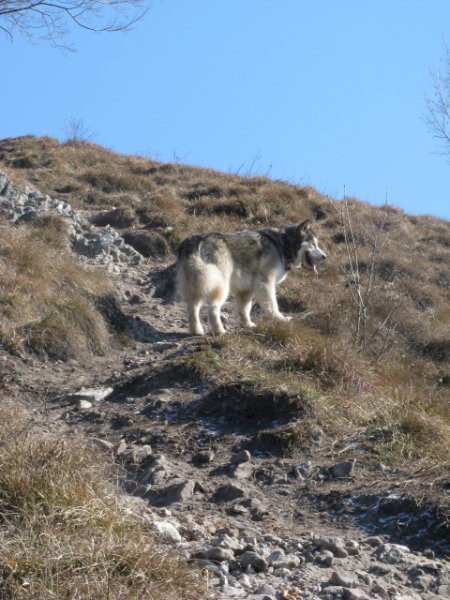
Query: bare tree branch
point(438, 114)
point(50, 20)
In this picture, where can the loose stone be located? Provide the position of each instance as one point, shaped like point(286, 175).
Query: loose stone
point(228, 492)
point(167, 531)
point(344, 578)
point(241, 457)
point(250, 558)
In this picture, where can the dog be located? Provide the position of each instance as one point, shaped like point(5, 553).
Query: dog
point(247, 264)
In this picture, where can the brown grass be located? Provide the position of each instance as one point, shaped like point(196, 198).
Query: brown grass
point(162, 203)
point(46, 296)
point(63, 532)
point(344, 391)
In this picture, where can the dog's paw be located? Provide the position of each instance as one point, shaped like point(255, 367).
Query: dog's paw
point(218, 330)
point(248, 324)
point(283, 318)
point(197, 331)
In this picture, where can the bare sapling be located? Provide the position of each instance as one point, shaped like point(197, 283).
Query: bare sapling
point(370, 331)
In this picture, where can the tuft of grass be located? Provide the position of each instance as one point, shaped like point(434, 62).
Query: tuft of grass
point(47, 298)
point(63, 532)
point(50, 229)
point(415, 436)
point(66, 330)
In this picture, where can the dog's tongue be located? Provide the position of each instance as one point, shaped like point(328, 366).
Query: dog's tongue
point(314, 269)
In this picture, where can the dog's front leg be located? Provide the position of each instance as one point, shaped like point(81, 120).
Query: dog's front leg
point(267, 300)
point(243, 307)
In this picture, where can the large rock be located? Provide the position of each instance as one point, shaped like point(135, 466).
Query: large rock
point(135, 455)
point(336, 545)
point(241, 457)
point(177, 492)
point(355, 594)
point(342, 469)
point(156, 472)
point(241, 470)
point(228, 492)
point(253, 559)
point(102, 246)
point(216, 554)
point(344, 578)
point(393, 553)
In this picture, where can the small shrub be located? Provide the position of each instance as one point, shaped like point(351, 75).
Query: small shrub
point(67, 330)
point(51, 229)
point(278, 333)
point(416, 436)
point(437, 349)
point(149, 243)
point(204, 360)
point(108, 181)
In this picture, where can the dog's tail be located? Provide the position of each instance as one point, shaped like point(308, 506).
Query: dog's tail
point(199, 276)
point(188, 269)
point(189, 247)
point(166, 281)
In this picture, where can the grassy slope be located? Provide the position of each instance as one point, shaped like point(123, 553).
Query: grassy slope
point(387, 390)
point(172, 201)
point(403, 266)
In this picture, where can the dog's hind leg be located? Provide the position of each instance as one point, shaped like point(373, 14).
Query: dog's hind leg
point(215, 320)
point(243, 307)
point(217, 300)
point(195, 326)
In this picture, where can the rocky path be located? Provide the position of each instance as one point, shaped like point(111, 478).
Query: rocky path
point(318, 525)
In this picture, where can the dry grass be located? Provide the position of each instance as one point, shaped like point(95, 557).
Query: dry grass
point(63, 533)
point(408, 315)
point(345, 391)
point(46, 295)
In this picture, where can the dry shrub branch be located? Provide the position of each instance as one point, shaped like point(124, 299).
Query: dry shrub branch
point(362, 278)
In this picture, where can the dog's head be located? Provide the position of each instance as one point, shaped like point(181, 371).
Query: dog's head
point(304, 246)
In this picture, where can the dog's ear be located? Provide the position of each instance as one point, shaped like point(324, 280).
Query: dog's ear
point(304, 226)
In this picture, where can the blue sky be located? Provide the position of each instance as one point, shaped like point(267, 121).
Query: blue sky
point(327, 93)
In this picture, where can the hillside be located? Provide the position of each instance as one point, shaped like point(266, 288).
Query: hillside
point(341, 418)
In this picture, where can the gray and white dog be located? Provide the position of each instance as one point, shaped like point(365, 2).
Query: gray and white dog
point(247, 264)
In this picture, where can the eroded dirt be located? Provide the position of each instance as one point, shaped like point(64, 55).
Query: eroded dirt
point(197, 427)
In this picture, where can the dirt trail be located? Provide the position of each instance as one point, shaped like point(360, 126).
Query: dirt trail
point(322, 524)
point(205, 462)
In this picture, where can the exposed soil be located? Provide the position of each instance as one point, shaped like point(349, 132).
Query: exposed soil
point(262, 517)
point(198, 427)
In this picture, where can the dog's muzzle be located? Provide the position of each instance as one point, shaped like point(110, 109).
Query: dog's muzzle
point(310, 260)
